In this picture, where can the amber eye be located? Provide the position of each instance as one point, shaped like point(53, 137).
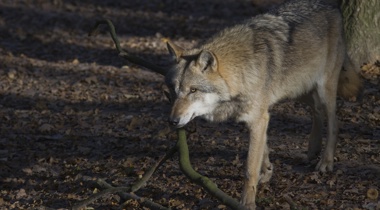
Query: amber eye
point(193, 90)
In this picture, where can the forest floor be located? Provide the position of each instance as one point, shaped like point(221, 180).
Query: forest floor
point(72, 111)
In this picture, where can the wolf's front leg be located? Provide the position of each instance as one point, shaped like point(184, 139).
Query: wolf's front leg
point(266, 167)
point(257, 146)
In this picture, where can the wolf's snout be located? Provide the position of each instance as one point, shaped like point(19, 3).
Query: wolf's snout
point(174, 121)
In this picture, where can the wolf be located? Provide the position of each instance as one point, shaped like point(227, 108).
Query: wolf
point(295, 51)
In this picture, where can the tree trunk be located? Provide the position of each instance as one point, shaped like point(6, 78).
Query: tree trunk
point(362, 30)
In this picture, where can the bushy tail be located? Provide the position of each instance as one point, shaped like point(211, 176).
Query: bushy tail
point(350, 83)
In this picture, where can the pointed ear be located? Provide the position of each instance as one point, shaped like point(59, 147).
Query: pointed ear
point(174, 50)
point(207, 61)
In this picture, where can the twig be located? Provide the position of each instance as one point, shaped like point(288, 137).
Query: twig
point(203, 181)
point(127, 196)
point(99, 195)
point(148, 174)
point(122, 190)
point(290, 201)
point(131, 58)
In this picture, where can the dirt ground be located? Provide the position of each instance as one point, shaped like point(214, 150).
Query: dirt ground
point(72, 111)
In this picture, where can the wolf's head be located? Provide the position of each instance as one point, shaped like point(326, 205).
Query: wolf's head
point(196, 87)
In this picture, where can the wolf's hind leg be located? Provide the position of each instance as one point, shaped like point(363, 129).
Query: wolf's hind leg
point(315, 139)
point(327, 159)
point(266, 167)
point(328, 93)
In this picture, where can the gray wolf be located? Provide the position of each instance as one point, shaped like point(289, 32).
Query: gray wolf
point(294, 51)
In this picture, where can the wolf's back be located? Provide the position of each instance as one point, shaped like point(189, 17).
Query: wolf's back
point(295, 11)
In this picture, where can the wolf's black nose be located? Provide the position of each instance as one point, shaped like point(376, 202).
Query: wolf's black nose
point(174, 121)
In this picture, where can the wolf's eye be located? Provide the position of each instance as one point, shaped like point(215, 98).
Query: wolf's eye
point(193, 90)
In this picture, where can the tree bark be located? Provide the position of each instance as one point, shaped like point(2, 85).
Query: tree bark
point(361, 19)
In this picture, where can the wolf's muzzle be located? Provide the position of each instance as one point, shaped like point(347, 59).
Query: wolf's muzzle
point(174, 121)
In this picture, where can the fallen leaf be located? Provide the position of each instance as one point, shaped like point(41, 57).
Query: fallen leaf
point(12, 74)
point(46, 128)
point(353, 190)
point(75, 61)
point(20, 194)
point(135, 121)
point(372, 193)
point(315, 178)
point(28, 171)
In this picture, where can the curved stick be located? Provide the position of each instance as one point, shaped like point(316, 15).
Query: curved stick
point(194, 176)
point(123, 190)
point(131, 58)
point(148, 174)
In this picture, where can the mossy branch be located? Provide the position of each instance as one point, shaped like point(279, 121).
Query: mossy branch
point(205, 182)
point(131, 58)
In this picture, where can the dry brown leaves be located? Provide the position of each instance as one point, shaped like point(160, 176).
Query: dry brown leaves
point(71, 113)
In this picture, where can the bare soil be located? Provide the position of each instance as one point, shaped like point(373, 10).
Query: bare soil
point(72, 111)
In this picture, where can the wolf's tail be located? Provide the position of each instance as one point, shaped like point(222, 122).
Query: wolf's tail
point(350, 83)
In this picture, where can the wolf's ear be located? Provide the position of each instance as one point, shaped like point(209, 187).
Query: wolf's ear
point(207, 61)
point(174, 50)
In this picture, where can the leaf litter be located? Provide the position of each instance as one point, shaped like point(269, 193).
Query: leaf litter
point(72, 111)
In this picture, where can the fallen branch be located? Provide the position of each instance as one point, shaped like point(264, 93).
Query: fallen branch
point(131, 58)
point(148, 174)
point(108, 189)
point(99, 195)
point(195, 177)
point(123, 190)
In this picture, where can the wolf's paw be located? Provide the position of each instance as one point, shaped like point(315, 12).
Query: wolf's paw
point(249, 206)
point(266, 173)
point(325, 165)
point(248, 198)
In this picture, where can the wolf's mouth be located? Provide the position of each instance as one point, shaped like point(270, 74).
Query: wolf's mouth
point(192, 117)
point(182, 125)
point(179, 126)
